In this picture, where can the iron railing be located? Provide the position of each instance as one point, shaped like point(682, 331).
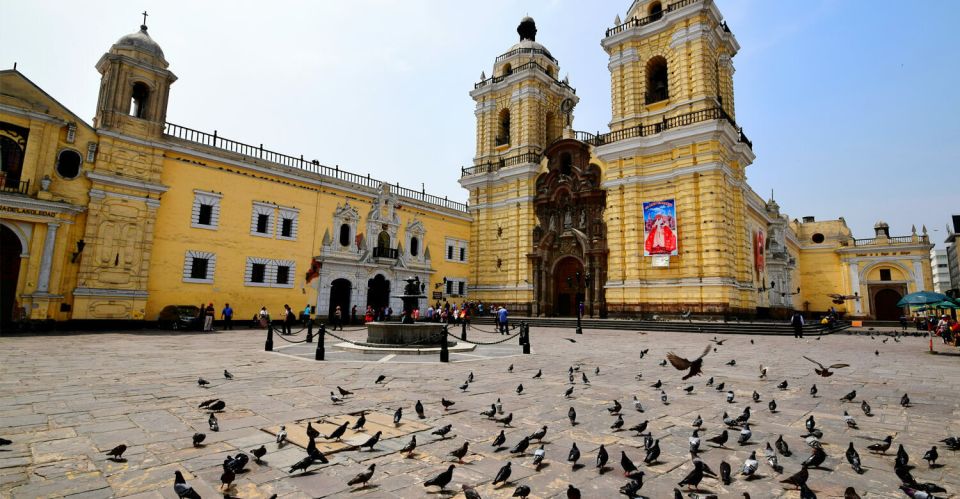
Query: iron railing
point(922, 239)
point(384, 252)
point(21, 187)
point(643, 21)
point(530, 66)
point(312, 166)
point(493, 166)
point(714, 113)
point(531, 51)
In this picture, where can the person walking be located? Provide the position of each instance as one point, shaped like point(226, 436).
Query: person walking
point(502, 319)
point(288, 319)
point(305, 316)
point(227, 315)
point(208, 316)
point(353, 315)
point(797, 322)
point(338, 318)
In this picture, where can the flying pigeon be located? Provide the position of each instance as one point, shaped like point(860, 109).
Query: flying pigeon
point(681, 364)
point(825, 371)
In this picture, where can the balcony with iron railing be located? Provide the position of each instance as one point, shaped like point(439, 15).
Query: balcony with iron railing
point(493, 166)
point(892, 241)
point(15, 187)
point(636, 22)
point(247, 151)
point(527, 51)
point(530, 66)
point(385, 252)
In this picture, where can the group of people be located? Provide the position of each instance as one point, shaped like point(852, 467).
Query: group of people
point(947, 328)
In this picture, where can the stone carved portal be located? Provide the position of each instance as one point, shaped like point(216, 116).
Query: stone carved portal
point(569, 254)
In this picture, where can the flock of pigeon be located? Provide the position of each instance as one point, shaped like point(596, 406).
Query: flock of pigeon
point(534, 445)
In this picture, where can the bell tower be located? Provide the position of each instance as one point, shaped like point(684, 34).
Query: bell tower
point(134, 86)
point(521, 108)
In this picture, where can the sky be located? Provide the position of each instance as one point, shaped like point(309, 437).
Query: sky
point(852, 105)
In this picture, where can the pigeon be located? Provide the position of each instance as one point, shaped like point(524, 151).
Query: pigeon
point(632, 488)
point(596, 371)
point(639, 427)
point(810, 423)
point(629, 469)
point(637, 405)
point(953, 443)
point(688, 389)
point(568, 393)
point(663, 363)
point(460, 452)
point(339, 431)
point(876, 352)
point(505, 421)
point(570, 377)
point(182, 488)
point(442, 431)
point(510, 368)
point(782, 446)
point(419, 409)
point(499, 440)
point(695, 366)
point(657, 385)
point(206, 403)
point(521, 446)
point(745, 434)
point(464, 387)
point(602, 457)
point(720, 439)
point(902, 458)
point(615, 408)
point(521, 491)
point(360, 423)
point(782, 385)
point(813, 390)
point(848, 419)
point(931, 456)
point(311, 431)
point(618, 424)
point(258, 453)
point(647, 441)
point(213, 423)
point(539, 374)
point(694, 477)
point(315, 453)
point(539, 434)
point(730, 396)
point(504, 474)
point(719, 387)
point(881, 447)
point(380, 379)
point(771, 456)
point(755, 396)
point(488, 413)
point(217, 406)
point(805, 492)
point(441, 480)
point(698, 422)
point(202, 382)
point(853, 457)
point(772, 405)
point(732, 362)
point(849, 397)
point(573, 492)
point(745, 416)
point(915, 493)
point(710, 381)
point(653, 453)
point(750, 465)
point(519, 388)
point(644, 352)
point(198, 439)
point(817, 457)
point(865, 407)
point(411, 445)
point(905, 400)
point(282, 436)
point(397, 415)
point(344, 393)
point(538, 457)
point(574, 454)
point(226, 374)
point(797, 479)
point(727, 420)
point(585, 380)
point(371, 441)
point(237, 463)
point(228, 476)
point(725, 472)
point(572, 416)
point(116, 453)
point(364, 476)
point(825, 371)
point(663, 397)
point(763, 371)
point(335, 398)
point(695, 442)
point(448, 403)
point(470, 377)
point(850, 493)
point(470, 492)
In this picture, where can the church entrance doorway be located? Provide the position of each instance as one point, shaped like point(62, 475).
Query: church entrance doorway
point(340, 296)
point(378, 293)
point(10, 250)
point(885, 304)
point(568, 285)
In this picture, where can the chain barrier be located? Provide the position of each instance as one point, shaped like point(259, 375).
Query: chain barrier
point(281, 336)
point(508, 338)
point(513, 326)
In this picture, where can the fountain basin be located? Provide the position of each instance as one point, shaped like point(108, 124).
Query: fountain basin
point(421, 334)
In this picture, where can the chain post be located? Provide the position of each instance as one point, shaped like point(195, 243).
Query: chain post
point(321, 334)
point(463, 330)
point(309, 330)
point(444, 351)
point(526, 338)
point(269, 346)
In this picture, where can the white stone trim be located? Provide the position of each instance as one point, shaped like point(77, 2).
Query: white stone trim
point(458, 246)
point(188, 258)
point(260, 208)
point(208, 198)
point(292, 214)
point(453, 284)
point(291, 273)
point(269, 272)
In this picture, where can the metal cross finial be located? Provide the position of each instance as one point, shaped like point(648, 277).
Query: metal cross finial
point(145, 18)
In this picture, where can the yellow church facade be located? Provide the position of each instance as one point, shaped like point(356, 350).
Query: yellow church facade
point(116, 219)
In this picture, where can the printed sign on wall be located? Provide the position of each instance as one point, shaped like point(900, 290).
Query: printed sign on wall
point(660, 228)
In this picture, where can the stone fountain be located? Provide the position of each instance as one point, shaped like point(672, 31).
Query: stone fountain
point(408, 333)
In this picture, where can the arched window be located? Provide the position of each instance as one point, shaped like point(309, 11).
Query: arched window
point(507, 70)
point(503, 128)
point(68, 164)
point(657, 89)
point(383, 241)
point(345, 235)
point(414, 246)
point(138, 100)
point(656, 11)
point(566, 164)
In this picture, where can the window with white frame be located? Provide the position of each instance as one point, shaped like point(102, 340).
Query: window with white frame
point(206, 210)
point(288, 223)
point(198, 267)
point(261, 221)
point(456, 286)
point(269, 273)
point(456, 250)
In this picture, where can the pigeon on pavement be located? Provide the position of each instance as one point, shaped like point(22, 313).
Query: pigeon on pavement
point(441, 480)
point(182, 488)
point(364, 476)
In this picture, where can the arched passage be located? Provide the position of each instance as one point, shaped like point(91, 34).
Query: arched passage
point(568, 285)
point(885, 305)
point(339, 296)
point(378, 292)
point(10, 251)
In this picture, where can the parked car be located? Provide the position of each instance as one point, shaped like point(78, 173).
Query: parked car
point(179, 317)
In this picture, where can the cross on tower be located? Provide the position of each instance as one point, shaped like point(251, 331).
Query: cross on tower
point(145, 18)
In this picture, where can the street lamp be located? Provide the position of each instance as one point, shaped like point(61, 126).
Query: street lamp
point(578, 284)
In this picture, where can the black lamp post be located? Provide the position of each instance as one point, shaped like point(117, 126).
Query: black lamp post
point(578, 284)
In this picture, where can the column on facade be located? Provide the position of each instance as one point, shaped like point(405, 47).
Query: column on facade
point(918, 275)
point(855, 287)
point(46, 259)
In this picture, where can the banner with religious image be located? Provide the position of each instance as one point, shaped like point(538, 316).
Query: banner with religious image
point(759, 260)
point(660, 228)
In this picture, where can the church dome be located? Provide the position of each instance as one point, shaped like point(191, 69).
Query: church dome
point(141, 41)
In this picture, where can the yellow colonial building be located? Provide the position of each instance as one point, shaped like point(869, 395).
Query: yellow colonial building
point(117, 219)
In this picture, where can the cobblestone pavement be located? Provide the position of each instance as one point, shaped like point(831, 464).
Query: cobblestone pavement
point(67, 399)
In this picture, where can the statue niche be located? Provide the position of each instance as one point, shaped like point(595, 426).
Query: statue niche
point(569, 235)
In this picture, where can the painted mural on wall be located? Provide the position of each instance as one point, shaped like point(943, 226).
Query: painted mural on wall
point(660, 227)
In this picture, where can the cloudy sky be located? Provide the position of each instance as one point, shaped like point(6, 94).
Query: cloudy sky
point(852, 105)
